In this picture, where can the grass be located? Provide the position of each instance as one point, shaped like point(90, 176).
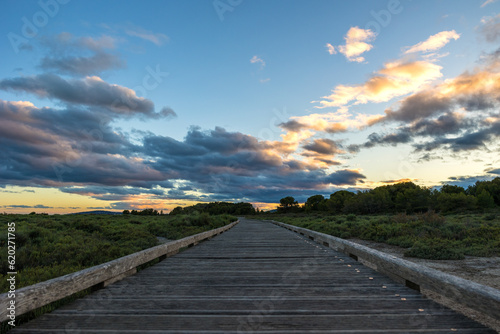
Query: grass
point(426, 236)
point(56, 245)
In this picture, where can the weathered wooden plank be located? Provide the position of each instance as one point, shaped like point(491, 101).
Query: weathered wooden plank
point(254, 321)
point(381, 304)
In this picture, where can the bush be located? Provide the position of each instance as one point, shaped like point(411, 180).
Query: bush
point(351, 217)
point(435, 250)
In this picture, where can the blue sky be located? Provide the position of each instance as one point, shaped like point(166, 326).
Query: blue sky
point(125, 105)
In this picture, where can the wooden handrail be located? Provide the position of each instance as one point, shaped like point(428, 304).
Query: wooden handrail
point(34, 296)
point(471, 294)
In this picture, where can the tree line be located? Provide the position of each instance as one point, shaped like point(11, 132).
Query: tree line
point(214, 208)
point(217, 208)
point(401, 197)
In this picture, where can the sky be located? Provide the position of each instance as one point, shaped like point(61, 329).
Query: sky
point(113, 105)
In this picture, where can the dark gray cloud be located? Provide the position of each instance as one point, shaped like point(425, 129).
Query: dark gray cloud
point(375, 139)
point(493, 171)
point(90, 91)
point(491, 28)
point(470, 140)
point(167, 112)
point(38, 206)
point(345, 178)
point(219, 140)
point(65, 55)
point(292, 125)
point(323, 146)
point(47, 147)
point(418, 106)
point(467, 180)
point(79, 65)
point(387, 139)
point(449, 123)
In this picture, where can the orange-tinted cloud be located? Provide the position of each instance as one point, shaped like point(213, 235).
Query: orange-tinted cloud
point(434, 42)
point(396, 79)
point(356, 43)
point(472, 90)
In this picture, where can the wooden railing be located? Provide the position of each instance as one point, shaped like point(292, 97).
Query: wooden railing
point(35, 296)
point(473, 295)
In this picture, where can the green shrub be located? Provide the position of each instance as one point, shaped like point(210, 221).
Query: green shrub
point(351, 217)
point(435, 249)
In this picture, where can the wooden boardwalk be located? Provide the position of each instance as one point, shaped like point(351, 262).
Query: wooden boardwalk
point(259, 278)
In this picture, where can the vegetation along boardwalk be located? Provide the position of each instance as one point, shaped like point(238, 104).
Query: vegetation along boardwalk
point(260, 278)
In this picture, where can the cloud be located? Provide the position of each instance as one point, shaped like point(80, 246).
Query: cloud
point(345, 177)
point(292, 125)
point(388, 139)
point(167, 112)
point(356, 43)
point(108, 193)
point(418, 106)
point(458, 115)
point(48, 147)
point(487, 2)
point(65, 55)
point(467, 141)
point(323, 146)
point(467, 180)
point(90, 91)
point(332, 122)
point(258, 60)
point(493, 171)
point(38, 206)
point(73, 65)
point(155, 38)
point(330, 48)
point(475, 90)
point(79, 152)
point(395, 79)
point(434, 42)
point(491, 28)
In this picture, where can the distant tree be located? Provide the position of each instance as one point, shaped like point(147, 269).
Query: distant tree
point(315, 203)
point(449, 202)
point(149, 212)
point(412, 198)
point(336, 201)
point(493, 187)
point(176, 211)
point(368, 202)
point(288, 204)
point(126, 212)
point(485, 200)
point(452, 189)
